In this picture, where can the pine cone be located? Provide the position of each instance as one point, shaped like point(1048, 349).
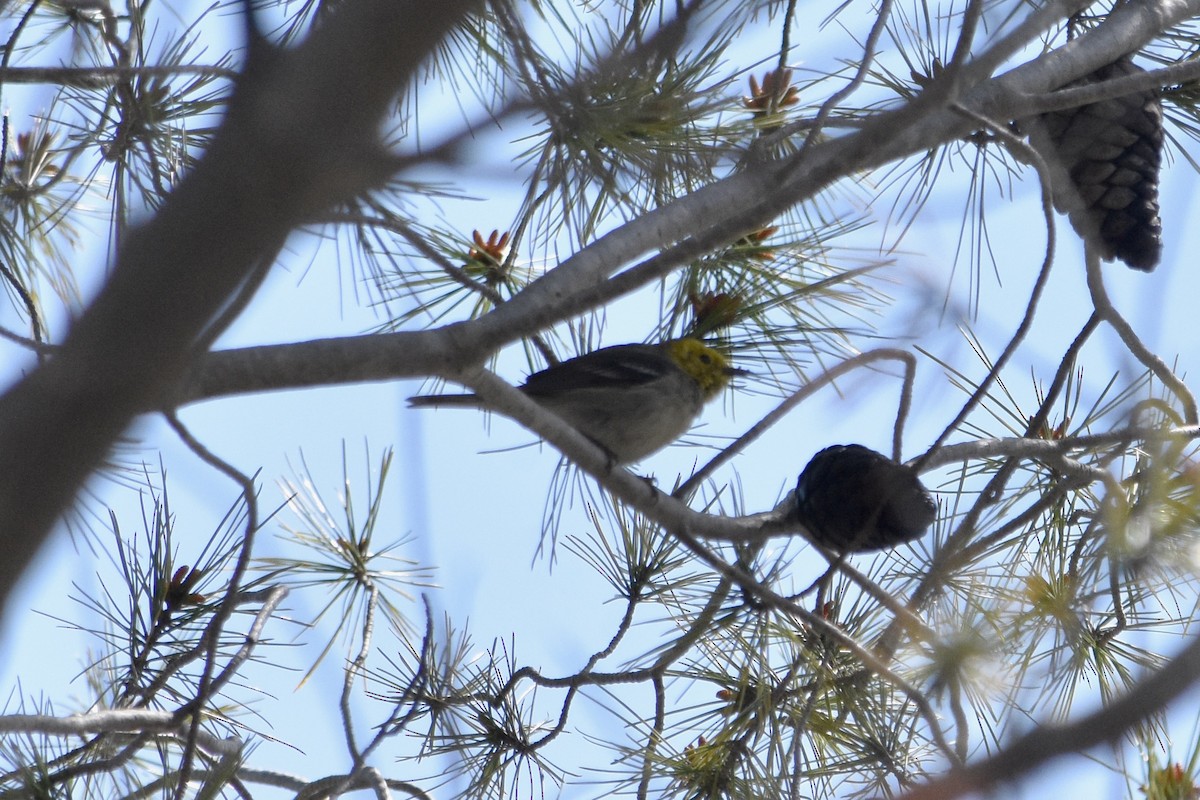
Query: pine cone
point(1111, 151)
point(851, 499)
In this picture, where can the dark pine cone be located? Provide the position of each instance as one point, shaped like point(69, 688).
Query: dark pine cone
point(1112, 150)
point(851, 499)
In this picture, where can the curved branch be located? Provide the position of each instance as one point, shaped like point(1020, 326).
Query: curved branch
point(1053, 741)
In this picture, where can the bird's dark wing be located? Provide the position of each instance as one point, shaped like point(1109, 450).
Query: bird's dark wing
point(609, 367)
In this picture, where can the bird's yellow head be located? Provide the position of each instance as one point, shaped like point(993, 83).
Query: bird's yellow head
point(706, 366)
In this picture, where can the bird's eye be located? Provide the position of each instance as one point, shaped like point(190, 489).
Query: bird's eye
point(706, 358)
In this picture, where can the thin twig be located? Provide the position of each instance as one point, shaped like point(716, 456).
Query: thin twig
point(868, 658)
point(1039, 285)
point(884, 12)
point(799, 396)
point(1104, 307)
point(212, 634)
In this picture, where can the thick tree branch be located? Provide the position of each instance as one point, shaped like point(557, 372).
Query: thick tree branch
point(300, 135)
point(697, 222)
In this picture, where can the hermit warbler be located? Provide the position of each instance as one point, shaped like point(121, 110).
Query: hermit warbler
point(631, 399)
point(851, 499)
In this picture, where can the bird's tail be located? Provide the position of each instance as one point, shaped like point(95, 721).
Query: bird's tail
point(436, 400)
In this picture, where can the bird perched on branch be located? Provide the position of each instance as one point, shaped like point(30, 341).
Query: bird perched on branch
point(631, 399)
point(1106, 157)
point(851, 499)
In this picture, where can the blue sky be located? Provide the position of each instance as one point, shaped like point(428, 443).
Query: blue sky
point(474, 504)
